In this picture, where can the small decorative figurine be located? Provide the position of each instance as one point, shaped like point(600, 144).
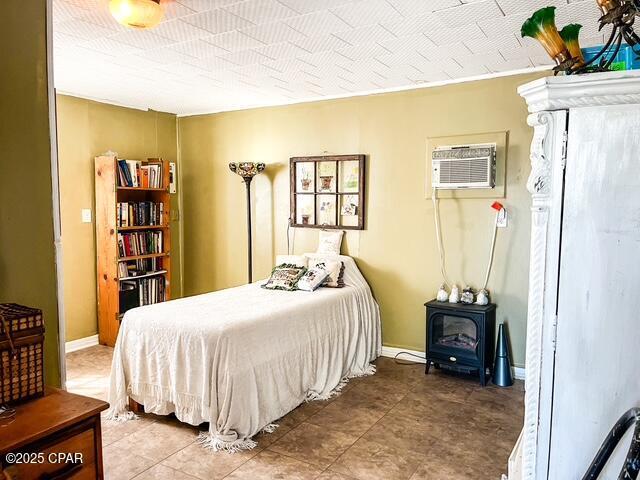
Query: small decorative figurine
point(467, 295)
point(483, 297)
point(455, 294)
point(442, 295)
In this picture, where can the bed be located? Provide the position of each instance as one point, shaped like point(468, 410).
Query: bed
point(243, 357)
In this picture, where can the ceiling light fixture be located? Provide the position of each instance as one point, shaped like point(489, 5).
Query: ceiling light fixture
point(137, 13)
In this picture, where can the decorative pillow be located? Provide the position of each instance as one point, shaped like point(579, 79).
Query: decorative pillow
point(298, 260)
point(334, 269)
point(329, 242)
point(284, 277)
point(312, 279)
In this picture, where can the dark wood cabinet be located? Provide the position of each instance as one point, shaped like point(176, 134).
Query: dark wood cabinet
point(55, 437)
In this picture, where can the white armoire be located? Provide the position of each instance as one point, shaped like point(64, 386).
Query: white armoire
point(583, 330)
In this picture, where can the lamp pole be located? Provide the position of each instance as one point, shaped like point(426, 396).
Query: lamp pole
point(247, 183)
point(248, 170)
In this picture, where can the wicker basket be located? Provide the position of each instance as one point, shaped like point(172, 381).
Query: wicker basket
point(21, 353)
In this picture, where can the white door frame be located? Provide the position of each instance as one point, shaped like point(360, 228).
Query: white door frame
point(55, 189)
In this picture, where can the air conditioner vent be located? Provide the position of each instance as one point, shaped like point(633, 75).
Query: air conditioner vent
point(464, 166)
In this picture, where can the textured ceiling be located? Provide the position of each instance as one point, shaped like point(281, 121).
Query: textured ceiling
point(217, 55)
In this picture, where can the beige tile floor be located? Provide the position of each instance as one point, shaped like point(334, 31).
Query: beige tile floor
point(397, 424)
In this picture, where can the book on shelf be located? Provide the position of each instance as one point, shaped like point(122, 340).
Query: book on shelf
point(140, 267)
point(133, 214)
point(155, 175)
point(150, 290)
point(139, 243)
point(136, 174)
point(145, 177)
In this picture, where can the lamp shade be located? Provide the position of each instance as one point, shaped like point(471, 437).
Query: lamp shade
point(571, 37)
point(137, 13)
point(542, 27)
point(607, 6)
point(247, 169)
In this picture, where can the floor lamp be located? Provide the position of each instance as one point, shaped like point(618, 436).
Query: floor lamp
point(248, 170)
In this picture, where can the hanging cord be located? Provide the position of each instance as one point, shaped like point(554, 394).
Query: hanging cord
point(436, 216)
point(291, 238)
point(406, 362)
point(497, 206)
point(491, 252)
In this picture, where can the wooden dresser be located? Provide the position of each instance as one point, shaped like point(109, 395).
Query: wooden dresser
point(55, 437)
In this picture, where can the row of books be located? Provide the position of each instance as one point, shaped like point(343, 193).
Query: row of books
point(139, 267)
point(130, 214)
point(134, 173)
point(139, 243)
point(150, 290)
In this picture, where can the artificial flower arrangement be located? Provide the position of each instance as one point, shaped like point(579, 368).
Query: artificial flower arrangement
point(564, 46)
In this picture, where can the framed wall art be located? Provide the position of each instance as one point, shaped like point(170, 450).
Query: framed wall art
point(327, 191)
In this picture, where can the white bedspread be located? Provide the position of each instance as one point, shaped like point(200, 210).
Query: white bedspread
point(242, 358)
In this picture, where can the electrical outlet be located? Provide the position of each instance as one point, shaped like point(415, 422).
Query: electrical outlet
point(503, 218)
point(86, 215)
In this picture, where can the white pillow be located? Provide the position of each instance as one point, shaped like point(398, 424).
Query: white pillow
point(297, 260)
point(329, 242)
point(312, 279)
point(334, 269)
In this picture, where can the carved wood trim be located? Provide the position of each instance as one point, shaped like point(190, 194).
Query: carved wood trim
point(592, 90)
point(539, 185)
point(539, 182)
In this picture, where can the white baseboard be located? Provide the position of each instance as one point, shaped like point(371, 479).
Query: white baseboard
point(418, 357)
point(391, 352)
point(80, 343)
point(519, 373)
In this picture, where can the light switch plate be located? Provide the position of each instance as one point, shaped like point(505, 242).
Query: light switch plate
point(86, 215)
point(172, 177)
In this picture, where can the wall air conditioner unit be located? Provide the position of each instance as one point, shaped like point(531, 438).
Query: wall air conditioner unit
point(463, 166)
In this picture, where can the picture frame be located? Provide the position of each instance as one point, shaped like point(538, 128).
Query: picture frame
point(327, 192)
point(349, 180)
point(305, 177)
point(306, 211)
point(327, 210)
point(327, 173)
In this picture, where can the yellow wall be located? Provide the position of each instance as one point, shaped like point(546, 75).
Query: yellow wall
point(397, 252)
point(27, 255)
point(85, 130)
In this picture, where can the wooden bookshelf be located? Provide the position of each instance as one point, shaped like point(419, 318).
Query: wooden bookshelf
point(108, 194)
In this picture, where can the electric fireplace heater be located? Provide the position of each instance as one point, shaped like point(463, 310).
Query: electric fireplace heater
point(460, 338)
